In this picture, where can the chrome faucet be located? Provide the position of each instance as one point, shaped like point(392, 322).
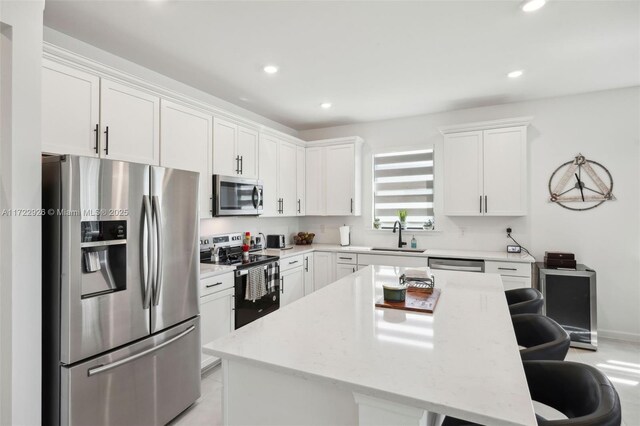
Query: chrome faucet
point(399, 225)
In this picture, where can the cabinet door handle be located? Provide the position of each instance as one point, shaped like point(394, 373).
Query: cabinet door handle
point(298, 205)
point(345, 258)
point(212, 285)
point(354, 269)
point(237, 164)
point(97, 131)
point(294, 262)
point(306, 264)
point(241, 164)
point(282, 285)
point(507, 269)
point(352, 205)
point(106, 141)
point(485, 203)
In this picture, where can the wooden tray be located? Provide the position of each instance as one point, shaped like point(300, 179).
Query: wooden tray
point(416, 301)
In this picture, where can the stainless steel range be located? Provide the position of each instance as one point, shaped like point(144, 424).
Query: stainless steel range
point(226, 249)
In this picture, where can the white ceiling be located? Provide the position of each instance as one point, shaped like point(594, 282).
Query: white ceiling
point(372, 60)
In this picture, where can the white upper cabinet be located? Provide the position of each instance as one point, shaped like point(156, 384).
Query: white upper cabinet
point(287, 177)
point(185, 143)
point(505, 171)
point(314, 182)
point(300, 180)
point(268, 159)
point(485, 169)
point(334, 177)
point(225, 160)
point(463, 174)
point(340, 179)
point(235, 150)
point(70, 110)
point(248, 152)
point(279, 174)
point(130, 124)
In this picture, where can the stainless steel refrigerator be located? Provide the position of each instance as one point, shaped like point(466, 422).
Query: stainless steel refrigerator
point(121, 338)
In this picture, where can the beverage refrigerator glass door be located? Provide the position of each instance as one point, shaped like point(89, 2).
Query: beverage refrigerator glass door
point(237, 196)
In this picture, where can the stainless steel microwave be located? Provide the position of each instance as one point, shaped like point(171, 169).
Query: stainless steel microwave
point(233, 196)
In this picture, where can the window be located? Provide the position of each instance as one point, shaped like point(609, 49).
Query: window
point(403, 181)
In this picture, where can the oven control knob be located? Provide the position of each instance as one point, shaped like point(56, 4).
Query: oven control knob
point(274, 298)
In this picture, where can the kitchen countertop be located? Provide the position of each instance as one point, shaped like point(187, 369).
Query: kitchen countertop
point(460, 254)
point(208, 270)
point(462, 361)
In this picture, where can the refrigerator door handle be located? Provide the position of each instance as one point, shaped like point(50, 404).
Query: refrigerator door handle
point(107, 367)
point(146, 259)
point(160, 246)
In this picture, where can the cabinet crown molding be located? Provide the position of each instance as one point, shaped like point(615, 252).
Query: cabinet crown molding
point(485, 125)
point(335, 141)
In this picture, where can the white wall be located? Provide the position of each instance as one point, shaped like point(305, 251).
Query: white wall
point(20, 236)
point(81, 48)
point(604, 126)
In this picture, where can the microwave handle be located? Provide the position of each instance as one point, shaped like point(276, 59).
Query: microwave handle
point(255, 197)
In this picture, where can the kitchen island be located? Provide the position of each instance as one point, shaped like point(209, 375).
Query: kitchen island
point(334, 358)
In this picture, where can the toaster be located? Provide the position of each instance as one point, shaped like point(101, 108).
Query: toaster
point(275, 241)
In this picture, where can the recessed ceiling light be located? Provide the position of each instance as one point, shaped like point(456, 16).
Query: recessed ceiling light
point(325, 105)
point(532, 5)
point(270, 69)
point(515, 74)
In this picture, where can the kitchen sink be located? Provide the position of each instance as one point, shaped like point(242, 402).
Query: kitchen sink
point(404, 250)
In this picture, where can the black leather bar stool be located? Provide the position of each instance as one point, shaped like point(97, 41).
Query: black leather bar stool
point(579, 391)
point(524, 301)
point(542, 337)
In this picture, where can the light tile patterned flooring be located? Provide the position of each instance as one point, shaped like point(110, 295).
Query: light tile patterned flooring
point(619, 360)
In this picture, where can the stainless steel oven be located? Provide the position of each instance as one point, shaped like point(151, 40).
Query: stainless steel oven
point(234, 196)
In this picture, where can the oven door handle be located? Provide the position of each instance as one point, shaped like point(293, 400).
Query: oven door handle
point(255, 197)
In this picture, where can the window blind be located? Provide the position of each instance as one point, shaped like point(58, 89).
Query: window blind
point(403, 181)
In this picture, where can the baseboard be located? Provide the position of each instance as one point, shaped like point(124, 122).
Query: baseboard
point(619, 335)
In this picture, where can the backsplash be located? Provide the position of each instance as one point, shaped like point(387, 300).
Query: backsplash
point(267, 225)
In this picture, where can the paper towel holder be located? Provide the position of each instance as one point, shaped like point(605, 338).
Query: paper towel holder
point(345, 236)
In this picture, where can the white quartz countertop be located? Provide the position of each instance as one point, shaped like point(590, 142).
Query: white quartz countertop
point(208, 270)
point(459, 254)
point(463, 360)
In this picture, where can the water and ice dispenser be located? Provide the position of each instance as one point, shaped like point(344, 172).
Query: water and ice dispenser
point(104, 257)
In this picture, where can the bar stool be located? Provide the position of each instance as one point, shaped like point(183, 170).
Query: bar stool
point(541, 337)
point(579, 391)
point(524, 301)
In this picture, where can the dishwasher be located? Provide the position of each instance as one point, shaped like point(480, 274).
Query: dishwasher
point(464, 265)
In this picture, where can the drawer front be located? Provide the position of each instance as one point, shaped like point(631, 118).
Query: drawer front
point(380, 259)
point(347, 258)
point(216, 283)
point(291, 262)
point(508, 268)
point(511, 283)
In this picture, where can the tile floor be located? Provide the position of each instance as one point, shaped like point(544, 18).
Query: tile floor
point(619, 360)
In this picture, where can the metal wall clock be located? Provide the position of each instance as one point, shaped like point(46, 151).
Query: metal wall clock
point(580, 184)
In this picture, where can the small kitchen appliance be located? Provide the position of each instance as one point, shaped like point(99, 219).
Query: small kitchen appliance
point(276, 241)
point(345, 235)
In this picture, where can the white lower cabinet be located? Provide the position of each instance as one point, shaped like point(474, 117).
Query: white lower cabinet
point(216, 314)
point(323, 269)
point(291, 285)
point(513, 274)
point(343, 270)
point(309, 286)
